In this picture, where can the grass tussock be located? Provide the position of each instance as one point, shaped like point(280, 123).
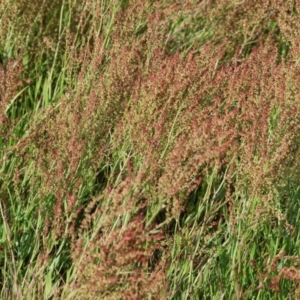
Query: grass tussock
point(149, 150)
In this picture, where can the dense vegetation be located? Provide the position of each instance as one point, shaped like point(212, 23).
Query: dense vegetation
point(149, 149)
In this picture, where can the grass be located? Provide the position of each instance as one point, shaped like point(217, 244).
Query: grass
point(149, 150)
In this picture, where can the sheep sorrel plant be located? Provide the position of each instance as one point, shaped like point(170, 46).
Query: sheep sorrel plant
point(149, 150)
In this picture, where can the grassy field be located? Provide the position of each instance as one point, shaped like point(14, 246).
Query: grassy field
point(149, 149)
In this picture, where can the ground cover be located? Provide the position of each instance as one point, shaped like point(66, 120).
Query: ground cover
point(149, 149)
